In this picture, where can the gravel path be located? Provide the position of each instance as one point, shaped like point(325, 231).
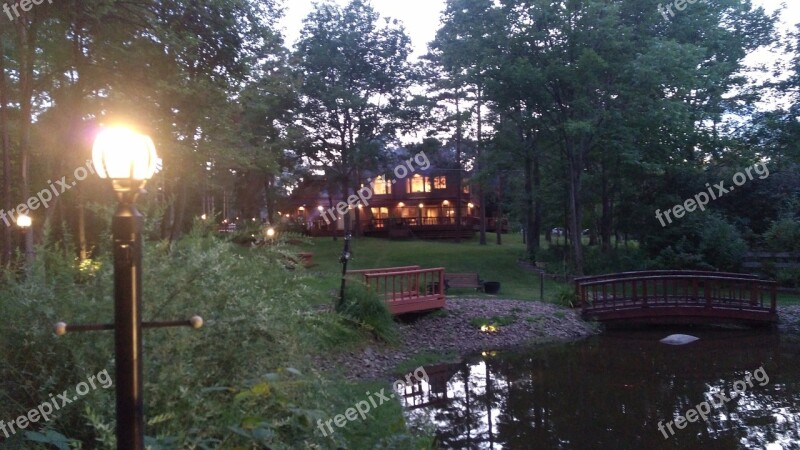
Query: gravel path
point(451, 333)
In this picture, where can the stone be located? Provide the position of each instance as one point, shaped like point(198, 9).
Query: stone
point(679, 339)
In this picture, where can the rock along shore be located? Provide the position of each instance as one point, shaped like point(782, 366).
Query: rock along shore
point(452, 333)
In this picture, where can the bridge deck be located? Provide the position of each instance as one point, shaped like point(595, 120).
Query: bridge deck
point(677, 297)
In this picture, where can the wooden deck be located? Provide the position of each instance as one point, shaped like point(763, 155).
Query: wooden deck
point(406, 289)
point(677, 297)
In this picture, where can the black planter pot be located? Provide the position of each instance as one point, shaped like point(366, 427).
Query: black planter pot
point(491, 287)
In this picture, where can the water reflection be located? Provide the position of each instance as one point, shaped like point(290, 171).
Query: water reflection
point(611, 391)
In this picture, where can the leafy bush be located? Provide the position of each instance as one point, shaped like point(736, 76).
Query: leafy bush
point(243, 381)
point(789, 278)
point(566, 297)
point(615, 260)
point(700, 241)
point(367, 310)
point(783, 236)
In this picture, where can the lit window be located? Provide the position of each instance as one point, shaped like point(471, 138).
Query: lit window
point(380, 213)
point(381, 187)
point(440, 182)
point(379, 216)
point(417, 183)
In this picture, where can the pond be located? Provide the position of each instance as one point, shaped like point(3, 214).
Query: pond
point(613, 390)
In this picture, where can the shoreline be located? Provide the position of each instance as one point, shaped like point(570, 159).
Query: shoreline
point(452, 334)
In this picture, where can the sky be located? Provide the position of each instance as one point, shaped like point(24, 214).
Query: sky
point(421, 18)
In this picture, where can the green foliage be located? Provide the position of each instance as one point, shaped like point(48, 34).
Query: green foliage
point(566, 297)
point(349, 57)
point(783, 236)
point(426, 358)
point(789, 277)
point(367, 310)
point(614, 260)
point(242, 381)
point(700, 242)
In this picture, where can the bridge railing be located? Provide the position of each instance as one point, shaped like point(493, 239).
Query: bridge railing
point(653, 273)
point(409, 290)
point(382, 270)
point(678, 289)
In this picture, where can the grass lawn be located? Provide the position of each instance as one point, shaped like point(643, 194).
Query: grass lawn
point(492, 262)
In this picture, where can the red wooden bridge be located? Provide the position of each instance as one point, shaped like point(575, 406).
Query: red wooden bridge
point(406, 289)
point(673, 297)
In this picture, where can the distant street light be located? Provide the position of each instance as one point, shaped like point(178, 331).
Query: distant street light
point(24, 222)
point(128, 159)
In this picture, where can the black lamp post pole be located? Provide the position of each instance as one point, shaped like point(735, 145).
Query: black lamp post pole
point(344, 259)
point(127, 233)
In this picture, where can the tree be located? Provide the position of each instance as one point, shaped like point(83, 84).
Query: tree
point(356, 77)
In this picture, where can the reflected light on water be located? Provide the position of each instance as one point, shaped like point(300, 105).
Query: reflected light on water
point(611, 391)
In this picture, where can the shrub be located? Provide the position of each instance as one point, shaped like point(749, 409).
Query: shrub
point(566, 297)
point(783, 236)
point(789, 277)
point(367, 310)
point(243, 381)
point(700, 241)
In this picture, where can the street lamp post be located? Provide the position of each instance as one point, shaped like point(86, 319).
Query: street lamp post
point(24, 222)
point(128, 160)
point(344, 259)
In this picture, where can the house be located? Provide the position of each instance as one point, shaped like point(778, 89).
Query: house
point(422, 205)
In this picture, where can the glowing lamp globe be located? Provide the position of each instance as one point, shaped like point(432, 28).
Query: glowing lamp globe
point(24, 221)
point(270, 232)
point(125, 157)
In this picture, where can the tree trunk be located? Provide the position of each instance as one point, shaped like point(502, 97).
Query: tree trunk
point(459, 181)
point(607, 217)
point(537, 198)
point(530, 248)
point(5, 142)
point(348, 225)
point(481, 193)
point(499, 224)
point(26, 58)
point(83, 245)
point(166, 218)
point(335, 223)
point(176, 230)
point(575, 159)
